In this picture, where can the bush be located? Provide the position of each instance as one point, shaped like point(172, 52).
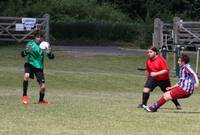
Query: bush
point(95, 31)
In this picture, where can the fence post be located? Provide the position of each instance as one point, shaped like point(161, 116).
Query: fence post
point(176, 22)
point(47, 17)
point(197, 60)
point(175, 41)
point(177, 54)
point(158, 33)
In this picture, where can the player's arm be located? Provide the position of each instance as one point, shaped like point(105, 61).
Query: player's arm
point(26, 51)
point(164, 67)
point(154, 74)
point(196, 84)
point(147, 70)
point(169, 88)
point(147, 74)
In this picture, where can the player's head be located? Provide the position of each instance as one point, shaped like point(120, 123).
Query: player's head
point(183, 59)
point(38, 37)
point(152, 52)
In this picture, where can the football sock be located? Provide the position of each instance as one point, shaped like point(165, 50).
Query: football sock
point(41, 96)
point(161, 101)
point(175, 101)
point(158, 104)
point(25, 87)
point(145, 97)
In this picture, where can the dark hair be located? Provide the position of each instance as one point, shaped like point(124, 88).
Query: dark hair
point(38, 34)
point(153, 48)
point(184, 58)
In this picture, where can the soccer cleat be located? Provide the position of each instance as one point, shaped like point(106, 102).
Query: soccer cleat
point(144, 106)
point(178, 107)
point(25, 100)
point(43, 102)
point(141, 106)
point(150, 109)
point(147, 109)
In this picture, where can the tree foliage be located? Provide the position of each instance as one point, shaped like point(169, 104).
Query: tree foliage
point(102, 9)
point(141, 9)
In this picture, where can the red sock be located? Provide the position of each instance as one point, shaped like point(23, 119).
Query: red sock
point(161, 101)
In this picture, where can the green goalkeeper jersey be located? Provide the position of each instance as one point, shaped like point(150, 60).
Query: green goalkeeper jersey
point(35, 54)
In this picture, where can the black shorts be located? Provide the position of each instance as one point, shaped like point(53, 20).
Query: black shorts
point(34, 71)
point(152, 84)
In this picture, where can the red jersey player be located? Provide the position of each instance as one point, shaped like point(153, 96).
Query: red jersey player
point(157, 75)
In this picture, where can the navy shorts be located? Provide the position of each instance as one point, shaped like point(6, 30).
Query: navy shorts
point(152, 84)
point(34, 71)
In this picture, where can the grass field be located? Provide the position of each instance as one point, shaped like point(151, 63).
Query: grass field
point(89, 95)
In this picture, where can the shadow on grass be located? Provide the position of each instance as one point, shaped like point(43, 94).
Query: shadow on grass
point(177, 111)
point(187, 112)
point(167, 108)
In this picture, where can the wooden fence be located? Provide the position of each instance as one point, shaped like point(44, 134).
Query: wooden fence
point(22, 28)
point(180, 32)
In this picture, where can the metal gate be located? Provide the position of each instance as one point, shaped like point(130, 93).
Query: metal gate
point(22, 28)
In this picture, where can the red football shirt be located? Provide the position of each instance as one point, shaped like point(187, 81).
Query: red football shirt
point(158, 64)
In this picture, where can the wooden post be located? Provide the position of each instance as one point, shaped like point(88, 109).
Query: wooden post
point(158, 33)
point(47, 27)
point(197, 60)
point(153, 39)
point(176, 21)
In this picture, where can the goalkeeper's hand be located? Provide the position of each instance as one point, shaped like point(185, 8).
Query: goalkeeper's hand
point(28, 49)
point(50, 54)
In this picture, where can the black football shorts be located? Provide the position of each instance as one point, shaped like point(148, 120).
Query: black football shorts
point(34, 71)
point(151, 83)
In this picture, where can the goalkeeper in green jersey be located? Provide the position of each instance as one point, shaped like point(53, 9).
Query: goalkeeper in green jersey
point(34, 66)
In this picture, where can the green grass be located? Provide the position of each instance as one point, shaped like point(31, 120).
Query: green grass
point(89, 95)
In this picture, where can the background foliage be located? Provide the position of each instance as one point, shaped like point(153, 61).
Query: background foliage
point(105, 20)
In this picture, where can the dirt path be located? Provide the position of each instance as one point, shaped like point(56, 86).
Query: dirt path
point(99, 50)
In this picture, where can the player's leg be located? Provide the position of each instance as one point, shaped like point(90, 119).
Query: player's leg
point(27, 68)
point(42, 94)
point(163, 99)
point(148, 87)
point(145, 95)
point(163, 85)
point(25, 83)
point(41, 80)
point(175, 93)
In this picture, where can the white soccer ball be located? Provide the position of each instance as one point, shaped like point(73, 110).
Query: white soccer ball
point(44, 45)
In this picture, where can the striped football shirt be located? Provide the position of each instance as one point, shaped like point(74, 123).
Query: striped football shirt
point(187, 78)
